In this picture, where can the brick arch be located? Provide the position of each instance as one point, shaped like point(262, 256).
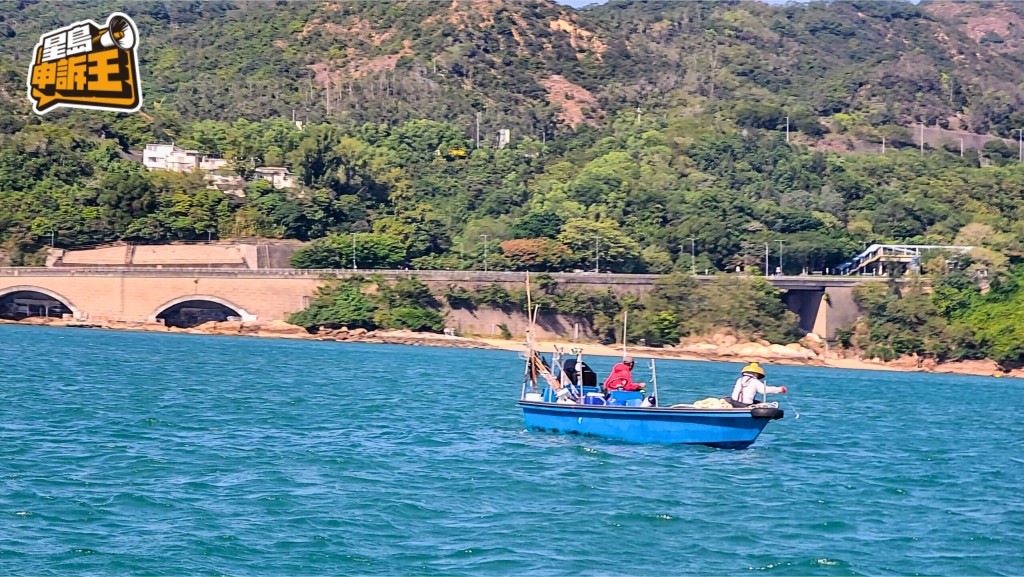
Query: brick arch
point(38, 289)
point(246, 316)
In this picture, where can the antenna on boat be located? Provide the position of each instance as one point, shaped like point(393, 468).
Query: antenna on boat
point(531, 366)
point(625, 317)
point(654, 382)
point(529, 332)
point(578, 351)
point(534, 364)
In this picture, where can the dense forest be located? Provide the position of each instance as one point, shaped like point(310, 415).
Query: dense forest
point(653, 136)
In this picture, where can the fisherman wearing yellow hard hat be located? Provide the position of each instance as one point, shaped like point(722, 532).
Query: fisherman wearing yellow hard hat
point(749, 385)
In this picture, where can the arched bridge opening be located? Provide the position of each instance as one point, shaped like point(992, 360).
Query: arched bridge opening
point(194, 310)
point(18, 303)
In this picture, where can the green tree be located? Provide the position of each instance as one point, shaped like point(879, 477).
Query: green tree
point(537, 254)
point(370, 251)
point(586, 239)
point(339, 305)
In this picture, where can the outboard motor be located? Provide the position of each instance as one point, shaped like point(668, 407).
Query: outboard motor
point(589, 376)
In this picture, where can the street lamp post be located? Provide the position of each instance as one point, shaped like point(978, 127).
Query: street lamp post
point(485, 237)
point(462, 253)
point(1020, 145)
point(767, 273)
point(597, 254)
point(354, 251)
point(787, 129)
point(693, 256)
point(780, 254)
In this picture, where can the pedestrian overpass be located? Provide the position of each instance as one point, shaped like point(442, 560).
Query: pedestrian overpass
point(879, 259)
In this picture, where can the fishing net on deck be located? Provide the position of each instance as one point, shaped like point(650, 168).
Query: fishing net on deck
point(712, 403)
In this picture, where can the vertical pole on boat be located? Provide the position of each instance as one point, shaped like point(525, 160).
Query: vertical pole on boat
point(625, 317)
point(537, 367)
point(579, 375)
point(556, 365)
point(529, 373)
point(529, 312)
point(654, 382)
point(529, 332)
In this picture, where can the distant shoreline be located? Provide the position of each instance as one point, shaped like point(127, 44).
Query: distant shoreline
point(281, 330)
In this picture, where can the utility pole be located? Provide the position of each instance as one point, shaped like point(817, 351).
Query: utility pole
point(787, 129)
point(961, 148)
point(354, 251)
point(766, 272)
point(638, 111)
point(597, 254)
point(780, 255)
point(693, 256)
point(462, 253)
point(922, 137)
point(1020, 145)
point(485, 237)
point(478, 130)
point(883, 144)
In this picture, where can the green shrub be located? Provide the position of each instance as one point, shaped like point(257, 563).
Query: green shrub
point(337, 306)
point(411, 317)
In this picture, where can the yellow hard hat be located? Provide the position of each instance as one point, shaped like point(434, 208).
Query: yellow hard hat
point(753, 368)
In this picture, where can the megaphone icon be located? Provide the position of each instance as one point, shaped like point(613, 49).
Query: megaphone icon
point(119, 32)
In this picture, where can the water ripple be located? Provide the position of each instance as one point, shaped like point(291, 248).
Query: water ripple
point(150, 454)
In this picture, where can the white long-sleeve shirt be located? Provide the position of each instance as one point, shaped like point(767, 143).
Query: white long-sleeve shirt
point(747, 387)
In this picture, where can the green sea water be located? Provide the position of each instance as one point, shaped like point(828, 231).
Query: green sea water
point(163, 454)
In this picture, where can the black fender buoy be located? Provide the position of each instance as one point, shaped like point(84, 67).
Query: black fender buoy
point(766, 413)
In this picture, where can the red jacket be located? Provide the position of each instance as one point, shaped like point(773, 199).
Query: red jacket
point(620, 379)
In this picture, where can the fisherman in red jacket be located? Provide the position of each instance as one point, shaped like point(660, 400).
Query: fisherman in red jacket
point(621, 378)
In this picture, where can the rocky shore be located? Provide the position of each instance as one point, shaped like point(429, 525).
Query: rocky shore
point(279, 330)
point(810, 351)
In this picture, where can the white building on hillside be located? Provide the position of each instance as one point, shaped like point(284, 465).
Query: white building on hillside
point(210, 163)
point(276, 175)
point(173, 158)
point(170, 157)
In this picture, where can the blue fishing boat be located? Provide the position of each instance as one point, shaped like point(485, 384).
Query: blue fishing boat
point(569, 400)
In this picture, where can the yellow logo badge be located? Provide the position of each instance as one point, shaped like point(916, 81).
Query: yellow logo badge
point(86, 66)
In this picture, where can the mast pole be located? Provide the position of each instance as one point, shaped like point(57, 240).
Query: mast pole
point(529, 333)
point(528, 372)
point(654, 382)
point(625, 317)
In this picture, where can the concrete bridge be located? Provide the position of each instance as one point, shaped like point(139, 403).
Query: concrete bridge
point(176, 295)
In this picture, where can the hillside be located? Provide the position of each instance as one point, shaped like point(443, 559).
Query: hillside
point(877, 62)
point(535, 66)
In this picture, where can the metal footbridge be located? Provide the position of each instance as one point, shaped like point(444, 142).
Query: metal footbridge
point(877, 254)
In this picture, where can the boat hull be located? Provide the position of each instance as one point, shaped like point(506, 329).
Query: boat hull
point(722, 428)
